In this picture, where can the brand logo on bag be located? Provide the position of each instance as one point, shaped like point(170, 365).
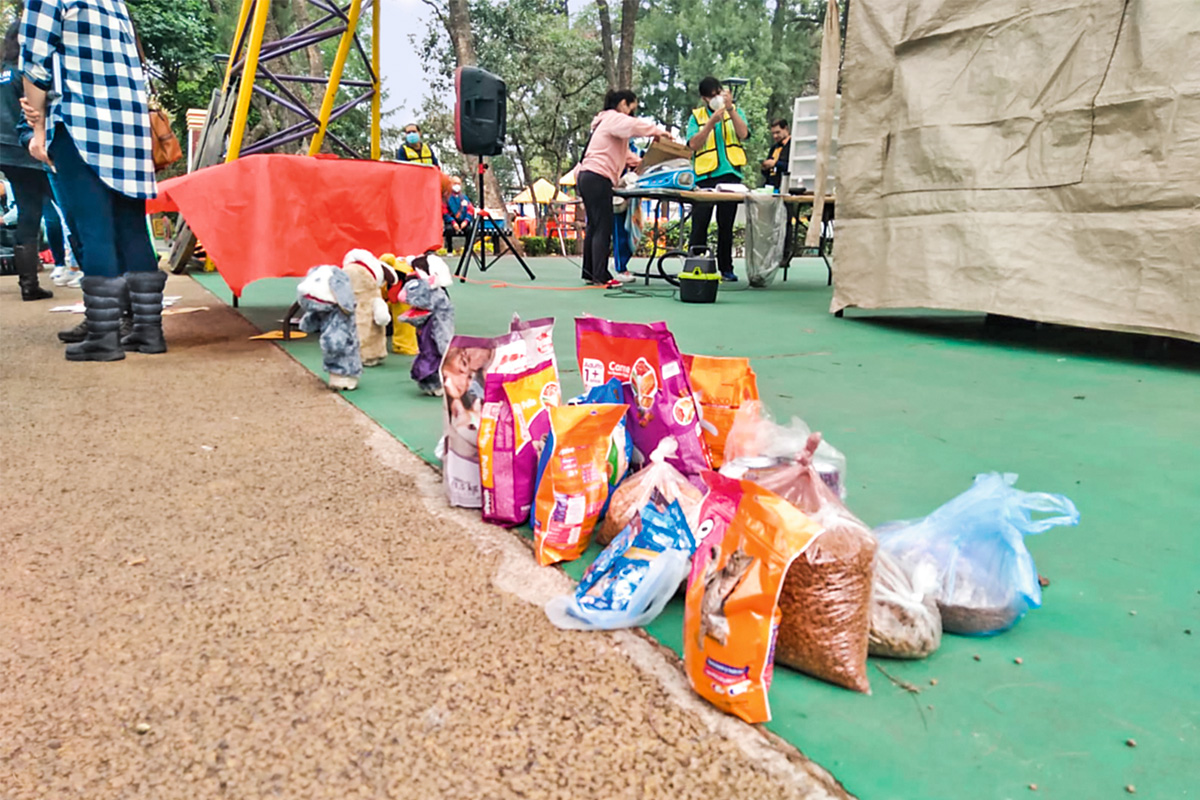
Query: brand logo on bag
point(725, 674)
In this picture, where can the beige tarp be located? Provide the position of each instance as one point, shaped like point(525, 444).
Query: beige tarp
point(1040, 160)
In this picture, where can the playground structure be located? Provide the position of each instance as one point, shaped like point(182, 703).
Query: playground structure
point(249, 71)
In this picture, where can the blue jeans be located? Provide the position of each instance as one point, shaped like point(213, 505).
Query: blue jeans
point(111, 226)
point(55, 229)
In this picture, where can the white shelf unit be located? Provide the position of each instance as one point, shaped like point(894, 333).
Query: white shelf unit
point(803, 164)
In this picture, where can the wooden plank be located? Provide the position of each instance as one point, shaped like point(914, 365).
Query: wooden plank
point(211, 151)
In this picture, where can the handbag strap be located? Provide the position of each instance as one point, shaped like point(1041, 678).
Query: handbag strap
point(137, 40)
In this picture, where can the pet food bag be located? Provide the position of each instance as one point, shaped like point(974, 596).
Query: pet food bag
point(826, 598)
point(645, 358)
point(732, 615)
point(620, 450)
point(467, 363)
point(573, 479)
point(658, 476)
point(630, 583)
point(756, 440)
point(722, 385)
point(985, 577)
point(512, 427)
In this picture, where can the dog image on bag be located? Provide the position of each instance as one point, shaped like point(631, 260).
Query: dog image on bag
point(327, 299)
point(432, 314)
point(371, 314)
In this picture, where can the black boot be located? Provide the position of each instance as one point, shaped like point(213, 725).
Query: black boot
point(102, 301)
point(145, 299)
point(27, 263)
point(79, 332)
point(73, 335)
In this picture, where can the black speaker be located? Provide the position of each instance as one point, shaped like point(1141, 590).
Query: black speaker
point(480, 112)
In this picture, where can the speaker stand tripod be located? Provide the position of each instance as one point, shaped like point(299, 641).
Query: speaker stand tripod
point(478, 234)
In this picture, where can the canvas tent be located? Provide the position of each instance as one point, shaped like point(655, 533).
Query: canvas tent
point(1034, 160)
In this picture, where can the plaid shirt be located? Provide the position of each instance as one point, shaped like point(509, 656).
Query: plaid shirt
point(102, 86)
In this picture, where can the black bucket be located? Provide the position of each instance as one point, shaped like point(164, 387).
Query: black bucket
point(699, 287)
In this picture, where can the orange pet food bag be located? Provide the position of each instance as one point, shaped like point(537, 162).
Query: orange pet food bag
point(732, 616)
point(721, 385)
point(573, 482)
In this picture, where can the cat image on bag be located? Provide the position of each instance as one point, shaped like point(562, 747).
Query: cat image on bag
point(719, 584)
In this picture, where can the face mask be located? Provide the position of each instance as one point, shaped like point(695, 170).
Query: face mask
point(456, 189)
point(412, 138)
point(716, 103)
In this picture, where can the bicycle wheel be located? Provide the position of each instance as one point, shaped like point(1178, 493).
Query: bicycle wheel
point(670, 269)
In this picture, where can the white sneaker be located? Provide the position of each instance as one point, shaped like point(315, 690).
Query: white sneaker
point(58, 276)
point(625, 277)
point(73, 278)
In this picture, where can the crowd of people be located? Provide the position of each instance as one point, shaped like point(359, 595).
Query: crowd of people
point(76, 134)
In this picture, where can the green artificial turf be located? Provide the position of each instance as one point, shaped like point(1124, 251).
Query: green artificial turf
point(920, 403)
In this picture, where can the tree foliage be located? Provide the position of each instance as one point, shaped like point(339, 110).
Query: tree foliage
point(555, 76)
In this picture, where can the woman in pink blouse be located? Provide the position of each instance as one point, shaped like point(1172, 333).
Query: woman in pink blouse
point(606, 156)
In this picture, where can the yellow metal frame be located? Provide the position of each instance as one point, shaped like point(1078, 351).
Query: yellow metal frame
point(253, 15)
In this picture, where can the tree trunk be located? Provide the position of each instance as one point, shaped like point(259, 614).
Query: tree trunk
point(316, 64)
point(606, 44)
point(629, 11)
point(527, 174)
point(780, 98)
point(458, 25)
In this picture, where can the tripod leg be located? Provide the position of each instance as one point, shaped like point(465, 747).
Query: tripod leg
point(517, 253)
point(464, 263)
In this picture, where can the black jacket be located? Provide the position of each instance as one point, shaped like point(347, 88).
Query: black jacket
point(12, 154)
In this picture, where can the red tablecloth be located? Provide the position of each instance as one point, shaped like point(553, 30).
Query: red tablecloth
point(273, 216)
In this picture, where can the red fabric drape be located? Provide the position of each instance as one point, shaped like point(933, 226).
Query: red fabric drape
point(273, 216)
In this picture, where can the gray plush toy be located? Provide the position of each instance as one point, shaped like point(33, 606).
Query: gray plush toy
point(327, 298)
point(432, 314)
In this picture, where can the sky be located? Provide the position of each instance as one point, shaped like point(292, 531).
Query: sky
point(403, 77)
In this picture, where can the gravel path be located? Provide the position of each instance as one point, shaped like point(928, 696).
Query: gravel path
point(217, 579)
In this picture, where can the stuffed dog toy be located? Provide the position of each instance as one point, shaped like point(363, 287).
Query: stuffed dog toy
point(404, 335)
point(371, 313)
point(327, 299)
point(432, 314)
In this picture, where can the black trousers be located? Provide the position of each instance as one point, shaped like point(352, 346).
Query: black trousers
point(597, 193)
point(726, 216)
point(32, 189)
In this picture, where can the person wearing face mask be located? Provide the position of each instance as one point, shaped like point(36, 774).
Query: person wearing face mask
point(715, 133)
point(605, 157)
point(413, 149)
point(457, 213)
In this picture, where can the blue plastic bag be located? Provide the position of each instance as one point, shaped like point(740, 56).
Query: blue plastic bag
point(634, 578)
point(986, 578)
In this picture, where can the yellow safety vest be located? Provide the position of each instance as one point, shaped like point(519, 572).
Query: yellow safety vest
point(706, 161)
point(414, 156)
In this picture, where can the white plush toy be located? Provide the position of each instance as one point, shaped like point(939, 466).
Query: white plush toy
point(439, 273)
point(367, 275)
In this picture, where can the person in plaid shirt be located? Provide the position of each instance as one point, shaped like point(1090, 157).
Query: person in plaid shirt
point(96, 136)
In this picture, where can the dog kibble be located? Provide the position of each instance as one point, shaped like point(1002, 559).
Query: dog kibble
point(1130, 743)
point(1018, 660)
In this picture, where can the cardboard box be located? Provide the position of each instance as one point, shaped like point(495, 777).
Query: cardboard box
point(663, 151)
